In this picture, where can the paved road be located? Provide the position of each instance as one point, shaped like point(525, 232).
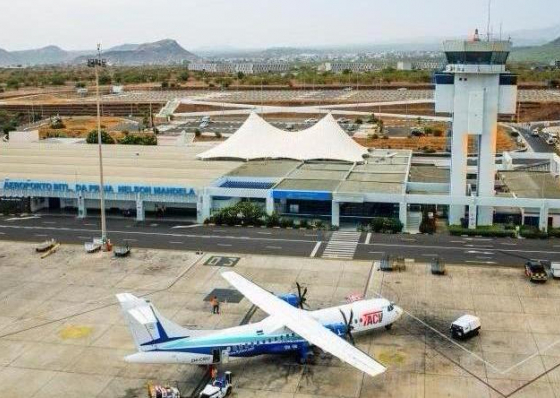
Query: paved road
point(224, 126)
point(538, 144)
point(299, 243)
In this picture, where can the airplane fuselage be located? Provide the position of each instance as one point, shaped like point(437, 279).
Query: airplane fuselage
point(264, 337)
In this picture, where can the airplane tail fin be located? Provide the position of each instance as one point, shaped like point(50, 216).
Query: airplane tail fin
point(147, 326)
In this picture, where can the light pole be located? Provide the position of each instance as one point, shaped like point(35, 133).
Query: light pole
point(97, 63)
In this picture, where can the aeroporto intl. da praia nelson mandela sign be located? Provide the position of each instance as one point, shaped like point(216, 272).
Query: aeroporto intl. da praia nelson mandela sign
point(57, 187)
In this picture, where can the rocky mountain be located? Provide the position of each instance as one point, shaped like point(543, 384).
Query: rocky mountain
point(42, 56)
point(162, 52)
point(6, 58)
point(124, 47)
point(545, 54)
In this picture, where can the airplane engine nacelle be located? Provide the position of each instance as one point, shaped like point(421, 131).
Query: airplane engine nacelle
point(290, 298)
point(338, 328)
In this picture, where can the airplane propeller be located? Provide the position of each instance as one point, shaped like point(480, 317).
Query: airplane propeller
point(302, 300)
point(348, 324)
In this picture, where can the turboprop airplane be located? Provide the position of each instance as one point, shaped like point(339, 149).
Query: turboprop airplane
point(286, 329)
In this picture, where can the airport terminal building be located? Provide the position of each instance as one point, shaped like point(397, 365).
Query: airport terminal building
point(321, 179)
point(320, 172)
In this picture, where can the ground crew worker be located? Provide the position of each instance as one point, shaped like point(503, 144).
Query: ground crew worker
point(215, 305)
point(213, 372)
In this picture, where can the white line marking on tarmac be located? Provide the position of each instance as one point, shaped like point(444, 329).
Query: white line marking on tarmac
point(509, 244)
point(22, 218)
point(224, 244)
point(85, 237)
point(176, 243)
point(91, 225)
point(315, 249)
point(186, 226)
point(49, 222)
point(273, 247)
point(129, 239)
point(368, 238)
point(3, 233)
point(41, 235)
point(264, 233)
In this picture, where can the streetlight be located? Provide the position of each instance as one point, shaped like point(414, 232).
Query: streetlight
point(97, 63)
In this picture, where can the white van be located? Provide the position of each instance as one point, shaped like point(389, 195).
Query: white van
point(465, 327)
point(555, 270)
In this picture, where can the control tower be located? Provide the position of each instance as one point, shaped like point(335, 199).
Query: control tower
point(475, 88)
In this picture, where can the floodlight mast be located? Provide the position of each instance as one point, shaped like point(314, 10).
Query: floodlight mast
point(97, 63)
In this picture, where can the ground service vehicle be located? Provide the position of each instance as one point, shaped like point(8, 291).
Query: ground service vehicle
point(465, 327)
point(221, 387)
point(535, 271)
point(555, 270)
point(163, 392)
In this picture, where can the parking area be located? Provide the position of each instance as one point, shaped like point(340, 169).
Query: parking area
point(61, 333)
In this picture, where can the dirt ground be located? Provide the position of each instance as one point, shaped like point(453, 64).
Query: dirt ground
point(79, 127)
point(503, 142)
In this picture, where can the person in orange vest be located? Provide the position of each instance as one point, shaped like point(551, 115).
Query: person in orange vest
point(215, 305)
point(213, 372)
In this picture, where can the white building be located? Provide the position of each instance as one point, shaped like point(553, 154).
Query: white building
point(248, 68)
point(354, 67)
point(404, 65)
point(475, 88)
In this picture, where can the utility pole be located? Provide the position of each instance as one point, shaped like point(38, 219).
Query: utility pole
point(97, 63)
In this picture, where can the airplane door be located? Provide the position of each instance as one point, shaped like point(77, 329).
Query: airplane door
point(225, 356)
point(216, 355)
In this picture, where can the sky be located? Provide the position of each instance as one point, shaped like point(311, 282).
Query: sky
point(195, 24)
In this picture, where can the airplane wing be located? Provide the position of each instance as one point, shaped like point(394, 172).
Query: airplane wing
point(304, 325)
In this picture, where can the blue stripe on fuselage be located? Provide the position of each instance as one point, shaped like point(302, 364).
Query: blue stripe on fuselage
point(243, 345)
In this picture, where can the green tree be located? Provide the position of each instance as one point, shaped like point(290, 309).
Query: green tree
point(105, 79)
point(183, 76)
point(105, 137)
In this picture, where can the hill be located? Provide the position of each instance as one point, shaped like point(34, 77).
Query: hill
point(542, 54)
point(163, 52)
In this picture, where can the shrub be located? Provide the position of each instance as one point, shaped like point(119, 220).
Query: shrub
point(242, 213)
point(304, 224)
point(148, 139)
point(429, 150)
point(386, 225)
point(272, 220)
point(319, 224)
point(286, 223)
point(105, 137)
point(197, 133)
point(374, 136)
point(57, 123)
point(494, 231)
point(530, 232)
point(359, 121)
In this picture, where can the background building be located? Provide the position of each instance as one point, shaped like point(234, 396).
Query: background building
point(248, 68)
point(354, 67)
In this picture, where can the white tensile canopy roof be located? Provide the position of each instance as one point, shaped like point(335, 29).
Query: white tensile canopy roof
point(257, 139)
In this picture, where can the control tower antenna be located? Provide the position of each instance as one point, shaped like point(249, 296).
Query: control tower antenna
point(489, 19)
